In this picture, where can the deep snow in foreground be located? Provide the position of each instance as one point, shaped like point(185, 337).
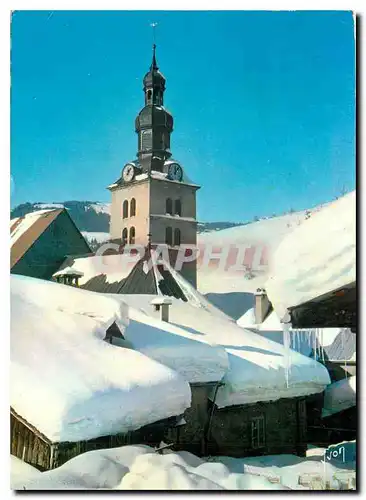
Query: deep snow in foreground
point(141, 468)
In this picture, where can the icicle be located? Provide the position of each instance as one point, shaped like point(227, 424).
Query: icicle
point(321, 341)
point(314, 344)
point(286, 344)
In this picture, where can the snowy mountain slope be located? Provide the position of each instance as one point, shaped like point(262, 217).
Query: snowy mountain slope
point(242, 248)
point(316, 258)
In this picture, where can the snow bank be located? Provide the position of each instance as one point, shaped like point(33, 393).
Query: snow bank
point(20, 472)
point(339, 396)
point(68, 382)
point(256, 369)
point(292, 471)
point(316, 258)
point(140, 468)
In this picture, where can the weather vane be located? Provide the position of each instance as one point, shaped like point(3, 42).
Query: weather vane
point(153, 25)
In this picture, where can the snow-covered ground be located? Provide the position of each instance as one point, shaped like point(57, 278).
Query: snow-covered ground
point(141, 468)
point(90, 388)
point(316, 258)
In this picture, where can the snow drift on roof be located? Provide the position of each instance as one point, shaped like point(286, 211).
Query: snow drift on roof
point(185, 352)
point(115, 267)
point(339, 396)
point(316, 258)
point(256, 369)
point(70, 384)
point(21, 224)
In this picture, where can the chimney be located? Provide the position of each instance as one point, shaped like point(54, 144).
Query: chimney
point(162, 304)
point(262, 305)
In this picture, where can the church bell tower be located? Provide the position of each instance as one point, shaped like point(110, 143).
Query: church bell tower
point(153, 197)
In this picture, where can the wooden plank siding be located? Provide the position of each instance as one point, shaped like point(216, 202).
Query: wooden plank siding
point(28, 444)
point(31, 446)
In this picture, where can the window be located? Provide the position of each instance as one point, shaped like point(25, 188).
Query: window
point(169, 236)
point(133, 207)
point(258, 432)
point(169, 206)
point(124, 236)
point(176, 237)
point(178, 207)
point(132, 236)
point(146, 139)
point(125, 209)
point(149, 95)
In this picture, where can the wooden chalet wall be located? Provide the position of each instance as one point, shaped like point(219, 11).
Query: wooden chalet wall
point(191, 436)
point(47, 253)
point(229, 432)
point(284, 429)
point(28, 444)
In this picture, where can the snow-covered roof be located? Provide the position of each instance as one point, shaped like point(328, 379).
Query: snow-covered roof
point(70, 384)
point(24, 231)
point(316, 258)
point(114, 267)
point(20, 225)
point(70, 271)
point(339, 396)
point(257, 367)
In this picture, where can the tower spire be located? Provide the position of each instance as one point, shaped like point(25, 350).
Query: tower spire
point(153, 64)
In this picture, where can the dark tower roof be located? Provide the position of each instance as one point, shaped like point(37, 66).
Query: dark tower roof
point(153, 77)
point(154, 123)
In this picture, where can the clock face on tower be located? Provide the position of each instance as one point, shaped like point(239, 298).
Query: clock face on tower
point(128, 172)
point(175, 172)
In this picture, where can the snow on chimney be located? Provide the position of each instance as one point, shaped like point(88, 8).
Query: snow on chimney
point(262, 305)
point(162, 303)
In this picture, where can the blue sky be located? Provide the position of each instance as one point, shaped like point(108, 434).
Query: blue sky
point(263, 103)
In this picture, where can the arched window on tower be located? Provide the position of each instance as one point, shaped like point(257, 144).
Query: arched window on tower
point(169, 236)
point(148, 97)
point(178, 207)
point(176, 237)
point(124, 236)
point(125, 209)
point(169, 206)
point(132, 236)
point(133, 207)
